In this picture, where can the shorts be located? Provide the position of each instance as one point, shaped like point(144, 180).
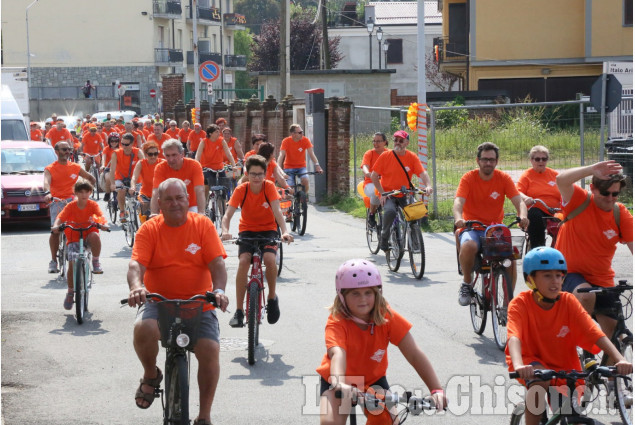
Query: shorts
point(119, 184)
point(264, 248)
point(193, 209)
point(472, 235)
point(57, 207)
point(603, 302)
point(208, 327)
point(144, 198)
point(211, 180)
point(370, 192)
point(292, 172)
point(72, 250)
point(381, 382)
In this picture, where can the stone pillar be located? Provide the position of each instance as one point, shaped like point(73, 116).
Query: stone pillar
point(206, 114)
point(337, 144)
point(218, 107)
point(284, 120)
point(179, 113)
point(267, 109)
point(252, 121)
point(171, 90)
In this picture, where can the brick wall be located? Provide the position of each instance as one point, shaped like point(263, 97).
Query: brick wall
point(172, 90)
point(338, 124)
point(396, 100)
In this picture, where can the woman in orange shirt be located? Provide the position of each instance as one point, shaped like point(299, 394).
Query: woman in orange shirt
point(143, 175)
point(113, 145)
point(538, 182)
point(358, 331)
point(379, 146)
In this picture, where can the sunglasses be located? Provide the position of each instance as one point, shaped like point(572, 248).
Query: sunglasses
point(153, 154)
point(126, 144)
point(486, 160)
point(399, 140)
point(607, 193)
point(64, 149)
point(298, 132)
point(541, 159)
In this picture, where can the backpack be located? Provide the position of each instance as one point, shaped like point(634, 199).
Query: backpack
point(582, 207)
point(86, 89)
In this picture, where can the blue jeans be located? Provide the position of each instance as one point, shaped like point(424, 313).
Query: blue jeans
point(292, 172)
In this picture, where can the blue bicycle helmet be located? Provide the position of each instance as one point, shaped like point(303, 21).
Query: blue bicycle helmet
point(542, 258)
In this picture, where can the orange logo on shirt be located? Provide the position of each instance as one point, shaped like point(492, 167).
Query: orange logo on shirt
point(494, 195)
point(187, 182)
point(563, 332)
point(193, 248)
point(378, 356)
point(552, 183)
point(265, 205)
point(610, 234)
point(73, 176)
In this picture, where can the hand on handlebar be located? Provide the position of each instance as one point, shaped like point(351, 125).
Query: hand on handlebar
point(459, 224)
point(55, 230)
point(286, 237)
point(523, 223)
point(525, 372)
point(222, 301)
point(225, 236)
point(623, 367)
point(131, 190)
point(529, 202)
point(137, 296)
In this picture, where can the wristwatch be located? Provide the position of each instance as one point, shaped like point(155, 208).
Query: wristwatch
point(218, 291)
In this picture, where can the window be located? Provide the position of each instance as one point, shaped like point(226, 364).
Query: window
point(628, 13)
point(395, 51)
point(179, 40)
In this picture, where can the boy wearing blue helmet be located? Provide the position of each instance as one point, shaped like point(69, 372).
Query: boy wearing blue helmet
point(545, 325)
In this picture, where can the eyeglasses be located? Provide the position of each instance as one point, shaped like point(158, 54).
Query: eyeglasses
point(607, 193)
point(126, 144)
point(298, 132)
point(486, 160)
point(398, 140)
point(257, 175)
point(64, 149)
point(153, 154)
point(542, 159)
point(377, 141)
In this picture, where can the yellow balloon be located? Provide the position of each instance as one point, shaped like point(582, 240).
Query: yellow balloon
point(360, 189)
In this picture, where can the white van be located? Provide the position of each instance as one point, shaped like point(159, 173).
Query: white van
point(13, 125)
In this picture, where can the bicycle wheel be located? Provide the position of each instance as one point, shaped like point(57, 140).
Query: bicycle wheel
point(478, 303)
point(624, 387)
point(501, 295)
point(297, 213)
point(304, 212)
point(177, 391)
point(61, 255)
point(252, 321)
point(279, 255)
point(416, 250)
point(112, 207)
point(94, 170)
point(220, 210)
point(80, 290)
point(372, 234)
point(393, 257)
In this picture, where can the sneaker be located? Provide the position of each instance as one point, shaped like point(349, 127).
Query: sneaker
point(97, 267)
point(68, 301)
point(288, 217)
point(383, 245)
point(53, 266)
point(465, 294)
point(371, 221)
point(273, 310)
point(122, 217)
point(237, 320)
point(107, 197)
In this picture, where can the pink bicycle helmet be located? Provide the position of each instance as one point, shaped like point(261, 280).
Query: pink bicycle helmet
point(402, 134)
point(356, 274)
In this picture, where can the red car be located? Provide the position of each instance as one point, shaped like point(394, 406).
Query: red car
point(22, 180)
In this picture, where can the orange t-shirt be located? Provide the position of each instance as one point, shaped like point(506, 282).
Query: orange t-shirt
point(63, 135)
point(213, 154)
point(295, 152)
point(541, 186)
point(37, 136)
point(271, 167)
point(588, 241)
point(366, 354)
point(191, 173)
point(256, 213)
point(195, 139)
point(231, 145)
point(391, 173)
point(369, 159)
point(63, 178)
point(93, 144)
point(173, 133)
point(108, 152)
point(250, 153)
point(105, 133)
point(184, 133)
point(551, 336)
point(484, 199)
point(147, 176)
point(146, 133)
point(124, 169)
point(153, 138)
point(176, 258)
point(80, 217)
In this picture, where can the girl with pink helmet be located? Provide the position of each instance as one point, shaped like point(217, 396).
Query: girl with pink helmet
point(358, 330)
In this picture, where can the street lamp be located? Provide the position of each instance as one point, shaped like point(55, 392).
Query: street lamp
point(370, 24)
point(386, 54)
point(380, 35)
point(28, 54)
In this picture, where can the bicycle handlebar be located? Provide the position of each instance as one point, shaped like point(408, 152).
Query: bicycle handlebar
point(83, 229)
point(470, 224)
point(222, 170)
point(548, 374)
point(249, 240)
point(622, 287)
point(210, 297)
point(403, 191)
point(551, 210)
point(390, 399)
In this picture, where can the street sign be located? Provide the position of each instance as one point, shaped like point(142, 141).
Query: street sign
point(209, 71)
point(153, 93)
point(613, 93)
point(121, 89)
point(210, 88)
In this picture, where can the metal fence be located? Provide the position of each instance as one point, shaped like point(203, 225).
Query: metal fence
point(72, 92)
point(570, 130)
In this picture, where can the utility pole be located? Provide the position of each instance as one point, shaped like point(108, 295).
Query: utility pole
point(285, 42)
point(422, 123)
point(325, 38)
point(197, 78)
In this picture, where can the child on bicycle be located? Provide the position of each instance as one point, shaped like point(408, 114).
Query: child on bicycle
point(82, 211)
point(545, 325)
point(358, 330)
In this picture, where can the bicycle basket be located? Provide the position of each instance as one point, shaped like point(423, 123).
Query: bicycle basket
point(415, 211)
point(500, 248)
point(285, 205)
point(187, 312)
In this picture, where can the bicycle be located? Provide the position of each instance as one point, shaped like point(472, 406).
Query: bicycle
point(492, 287)
point(375, 405)
point(256, 302)
point(113, 207)
point(178, 323)
point(132, 208)
point(218, 196)
point(61, 248)
point(94, 171)
point(299, 206)
point(622, 339)
point(82, 271)
point(405, 236)
point(569, 410)
point(552, 224)
point(373, 233)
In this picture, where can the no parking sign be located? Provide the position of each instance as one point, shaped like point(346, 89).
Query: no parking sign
point(209, 71)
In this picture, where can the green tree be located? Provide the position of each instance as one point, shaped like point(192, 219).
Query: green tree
point(243, 41)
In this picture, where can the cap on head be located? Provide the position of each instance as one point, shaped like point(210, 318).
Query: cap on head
point(402, 134)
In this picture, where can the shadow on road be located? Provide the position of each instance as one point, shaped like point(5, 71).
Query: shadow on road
point(88, 328)
point(486, 351)
point(269, 369)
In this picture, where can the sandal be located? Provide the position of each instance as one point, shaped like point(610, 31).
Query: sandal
point(148, 397)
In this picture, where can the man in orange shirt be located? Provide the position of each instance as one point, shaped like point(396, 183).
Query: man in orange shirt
point(186, 169)
point(480, 196)
point(139, 139)
point(36, 134)
point(59, 134)
point(91, 146)
point(122, 164)
point(158, 136)
point(178, 255)
point(394, 176)
point(194, 139)
point(293, 156)
point(210, 153)
point(588, 241)
point(260, 216)
point(173, 131)
point(184, 133)
point(59, 178)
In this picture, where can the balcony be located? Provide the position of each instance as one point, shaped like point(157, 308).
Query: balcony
point(204, 56)
point(236, 62)
point(168, 57)
point(206, 15)
point(234, 21)
point(452, 55)
point(166, 9)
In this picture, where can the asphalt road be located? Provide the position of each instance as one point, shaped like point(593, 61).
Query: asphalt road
point(55, 371)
